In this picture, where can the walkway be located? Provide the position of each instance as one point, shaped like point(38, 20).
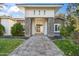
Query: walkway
point(37, 46)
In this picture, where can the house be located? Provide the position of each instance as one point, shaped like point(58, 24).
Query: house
point(7, 22)
point(38, 18)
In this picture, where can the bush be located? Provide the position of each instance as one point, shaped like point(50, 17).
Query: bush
point(17, 30)
point(68, 47)
point(2, 30)
point(68, 29)
point(64, 32)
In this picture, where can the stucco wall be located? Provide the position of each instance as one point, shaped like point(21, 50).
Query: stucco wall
point(34, 12)
point(7, 23)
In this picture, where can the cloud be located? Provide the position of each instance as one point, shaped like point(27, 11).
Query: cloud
point(13, 9)
point(4, 7)
point(10, 10)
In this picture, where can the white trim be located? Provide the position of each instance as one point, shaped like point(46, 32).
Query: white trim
point(54, 27)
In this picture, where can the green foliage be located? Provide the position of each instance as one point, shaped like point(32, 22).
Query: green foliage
point(68, 47)
point(64, 32)
point(2, 30)
point(8, 45)
point(68, 29)
point(17, 30)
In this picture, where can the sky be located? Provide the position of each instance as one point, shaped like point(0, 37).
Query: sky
point(63, 9)
point(12, 10)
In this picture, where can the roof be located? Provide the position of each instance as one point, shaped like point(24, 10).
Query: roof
point(39, 4)
point(6, 17)
point(60, 16)
point(22, 19)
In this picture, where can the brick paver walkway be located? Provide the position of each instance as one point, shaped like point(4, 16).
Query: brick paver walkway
point(37, 46)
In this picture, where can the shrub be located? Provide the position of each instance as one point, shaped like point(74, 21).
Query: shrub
point(68, 47)
point(68, 29)
point(64, 32)
point(17, 30)
point(2, 30)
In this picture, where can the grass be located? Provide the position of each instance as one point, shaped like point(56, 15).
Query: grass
point(68, 47)
point(8, 45)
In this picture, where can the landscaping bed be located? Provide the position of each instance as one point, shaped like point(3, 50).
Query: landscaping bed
point(68, 47)
point(8, 45)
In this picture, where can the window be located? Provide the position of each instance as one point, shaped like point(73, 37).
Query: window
point(38, 26)
point(56, 27)
point(34, 12)
point(44, 12)
point(39, 12)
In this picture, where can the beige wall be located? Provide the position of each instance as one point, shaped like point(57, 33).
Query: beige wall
point(21, 21)
point(7, 23)
point(29, 12)
point(49, 12)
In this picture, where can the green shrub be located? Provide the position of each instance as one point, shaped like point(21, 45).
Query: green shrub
point(68, 29)
point(64, 32)
point(17, 30)
point(2, 30)
point(68, 47)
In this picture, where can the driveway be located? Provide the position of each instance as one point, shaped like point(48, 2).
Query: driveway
point(37, 45)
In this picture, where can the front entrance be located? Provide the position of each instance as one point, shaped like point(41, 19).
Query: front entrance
point(39, 26)
point(39, 29)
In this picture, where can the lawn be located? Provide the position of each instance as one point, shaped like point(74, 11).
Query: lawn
point(8, 45)
point(68, 47)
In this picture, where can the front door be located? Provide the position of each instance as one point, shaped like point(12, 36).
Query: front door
point(39, 29)
point(39, 26)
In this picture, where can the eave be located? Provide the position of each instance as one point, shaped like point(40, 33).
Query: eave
point(39, 5)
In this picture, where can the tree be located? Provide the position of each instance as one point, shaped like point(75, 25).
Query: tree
point(17, 30)
point(2, 30)
point(68, 29)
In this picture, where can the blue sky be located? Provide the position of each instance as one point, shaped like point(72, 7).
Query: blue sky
point(63, 9)
point(9, 10)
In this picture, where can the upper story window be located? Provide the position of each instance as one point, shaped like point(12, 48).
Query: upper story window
point(34, 12)
point(56, 27)
point(39, 12)
point(44, 12)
